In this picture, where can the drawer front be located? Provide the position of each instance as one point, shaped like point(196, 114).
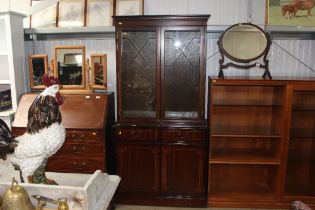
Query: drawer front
point(81, 149)
point(183, 135)
point(75, 164)
point(136, 134)
point(79, 136)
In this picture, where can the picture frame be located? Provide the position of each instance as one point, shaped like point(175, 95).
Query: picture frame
point(293, 13)
point(71, 13)
point(99, 71)
point(99, 13)
point(47, 18)
point(129, 7)
point(69, 64)
point(38, 66)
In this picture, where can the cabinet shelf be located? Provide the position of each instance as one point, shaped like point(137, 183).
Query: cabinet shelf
point(239, 156)
point(300, 190)
point(237, 192)
point(304, 107)
point(244, 131)
point(302, 133)
point(246, 103)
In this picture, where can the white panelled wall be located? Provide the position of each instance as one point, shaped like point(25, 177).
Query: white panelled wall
point(223, 12)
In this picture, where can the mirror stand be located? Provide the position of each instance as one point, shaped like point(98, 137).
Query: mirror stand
point(243, 44)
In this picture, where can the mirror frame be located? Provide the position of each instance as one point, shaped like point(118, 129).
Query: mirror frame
point(80, 47)
point(31, 71)
point(264, 53)
point(103, 58)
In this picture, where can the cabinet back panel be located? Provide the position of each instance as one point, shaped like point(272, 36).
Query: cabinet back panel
point(245, 116)
point(300, 178)
point(246, 148)
point(263, 94)
point(241, 174)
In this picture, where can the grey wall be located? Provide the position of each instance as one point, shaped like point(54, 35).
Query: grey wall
point(293, 57)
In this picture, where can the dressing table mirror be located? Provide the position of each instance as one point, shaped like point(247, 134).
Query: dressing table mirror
point(38, 66)
point(243, 44)
point(99, 71)
point(70, 66)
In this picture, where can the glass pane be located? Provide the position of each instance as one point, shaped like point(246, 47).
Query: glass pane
point(182, 69)
point(139, 73)
point(301, 152)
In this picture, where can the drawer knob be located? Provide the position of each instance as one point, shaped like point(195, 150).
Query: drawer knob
point(82, 136)
point(119, 132)
point(79, 166)
point(78, 149)
point(73, 135)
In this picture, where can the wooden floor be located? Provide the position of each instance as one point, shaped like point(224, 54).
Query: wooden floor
point(128, 207)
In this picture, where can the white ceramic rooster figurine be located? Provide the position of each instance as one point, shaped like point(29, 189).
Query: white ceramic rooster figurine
point(44, 135)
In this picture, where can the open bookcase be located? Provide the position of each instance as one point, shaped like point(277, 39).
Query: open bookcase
point(251, 161)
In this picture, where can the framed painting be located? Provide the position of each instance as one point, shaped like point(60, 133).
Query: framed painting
point(99, 13)
point(71, 13)
point(45, 18)
point(99, 71)
point(290, 13)
point(70, 66)
point(38, 66)
point(129, 7)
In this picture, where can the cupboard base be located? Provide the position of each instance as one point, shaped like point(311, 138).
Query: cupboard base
point(173, 201)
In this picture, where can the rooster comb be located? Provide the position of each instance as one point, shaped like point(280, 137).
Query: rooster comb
point(48, 81)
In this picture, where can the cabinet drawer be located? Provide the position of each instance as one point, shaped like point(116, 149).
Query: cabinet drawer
point(81, 149)
point(77, 136)
point(75, 164)
point(136, 134)
point(180, 135)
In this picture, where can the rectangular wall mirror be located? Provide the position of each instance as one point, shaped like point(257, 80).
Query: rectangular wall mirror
point(99, 71)
point(69, 66)
point(38, 66)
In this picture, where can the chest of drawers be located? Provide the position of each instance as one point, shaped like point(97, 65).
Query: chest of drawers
point(88, 120)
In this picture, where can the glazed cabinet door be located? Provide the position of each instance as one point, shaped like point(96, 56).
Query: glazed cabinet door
point(300, 167)
point(139, 168)
point(182, 69)
point(137, 73)
point(183, 170)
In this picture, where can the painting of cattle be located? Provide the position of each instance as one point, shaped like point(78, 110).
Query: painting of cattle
point(291, 13)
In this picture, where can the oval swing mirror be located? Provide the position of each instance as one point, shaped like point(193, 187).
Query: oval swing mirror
point(243, 43)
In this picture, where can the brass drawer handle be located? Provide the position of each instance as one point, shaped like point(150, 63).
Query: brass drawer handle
point(78, 150)
point(79, 166)
point(183, 135)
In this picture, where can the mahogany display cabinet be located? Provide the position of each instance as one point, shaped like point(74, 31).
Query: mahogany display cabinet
point(161, 134)
point(262, 135)
point(88, 119)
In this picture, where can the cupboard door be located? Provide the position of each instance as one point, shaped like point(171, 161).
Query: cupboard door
point(183, 170)
point(182, 68)
point(138, 73)
point(139, 168)
point(300, 170)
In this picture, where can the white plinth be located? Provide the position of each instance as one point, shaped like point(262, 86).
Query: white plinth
point(83, 191)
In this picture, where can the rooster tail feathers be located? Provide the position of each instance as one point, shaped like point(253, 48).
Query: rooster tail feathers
point(7, 140)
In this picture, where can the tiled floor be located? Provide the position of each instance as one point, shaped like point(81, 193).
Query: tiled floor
point(128, 207)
